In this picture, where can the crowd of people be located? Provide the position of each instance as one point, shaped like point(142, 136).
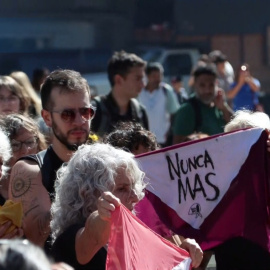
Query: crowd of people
point(68, 160)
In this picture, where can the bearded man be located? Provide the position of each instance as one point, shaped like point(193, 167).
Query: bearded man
point(66, 109)
point(206, 111)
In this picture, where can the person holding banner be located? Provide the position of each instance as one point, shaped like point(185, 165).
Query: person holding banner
point(238, 252)
point(132, 137)
point(94, 183)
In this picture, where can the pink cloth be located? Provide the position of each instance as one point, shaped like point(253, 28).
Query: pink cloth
point(132, 245)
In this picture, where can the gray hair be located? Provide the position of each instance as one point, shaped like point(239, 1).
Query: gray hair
point(5, 150)
point(91, 171)
point(21, 254)
point(247, 119)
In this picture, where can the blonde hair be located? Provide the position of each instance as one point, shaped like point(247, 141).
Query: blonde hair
point(12, 85)
point(22, 79)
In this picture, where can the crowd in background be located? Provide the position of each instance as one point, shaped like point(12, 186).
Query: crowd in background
point(134, 116)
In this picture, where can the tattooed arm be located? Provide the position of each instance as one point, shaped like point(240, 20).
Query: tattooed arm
point(26, 186)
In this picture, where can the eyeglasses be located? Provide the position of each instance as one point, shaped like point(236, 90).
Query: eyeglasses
point(69, 115)
point(29, 143)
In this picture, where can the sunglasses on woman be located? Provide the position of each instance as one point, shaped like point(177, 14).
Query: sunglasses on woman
point(69, 115)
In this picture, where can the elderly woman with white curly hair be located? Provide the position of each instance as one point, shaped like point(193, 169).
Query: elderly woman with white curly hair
point(247, 119)
point(97, 179)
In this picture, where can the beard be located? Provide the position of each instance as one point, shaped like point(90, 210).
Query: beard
point(207, 100)
point(64, 138)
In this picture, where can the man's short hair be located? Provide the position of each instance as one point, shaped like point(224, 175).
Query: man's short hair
point(205, 70)
point(67, 80)
point(121, 63)
point(153, 66)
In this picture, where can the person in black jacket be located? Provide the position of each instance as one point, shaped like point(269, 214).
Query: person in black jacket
point(125, 73)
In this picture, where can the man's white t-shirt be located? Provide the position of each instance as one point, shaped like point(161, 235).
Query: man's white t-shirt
point(159, 104)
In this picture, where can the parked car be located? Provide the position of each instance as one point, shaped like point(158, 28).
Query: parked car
point(174, 61)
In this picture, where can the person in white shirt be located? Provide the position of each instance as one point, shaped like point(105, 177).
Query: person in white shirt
point(160, 102)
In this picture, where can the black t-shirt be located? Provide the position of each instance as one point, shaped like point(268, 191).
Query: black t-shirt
point(108, 114)
point(63, 250)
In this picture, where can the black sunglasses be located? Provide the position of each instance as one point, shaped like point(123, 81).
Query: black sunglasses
point(69, 115)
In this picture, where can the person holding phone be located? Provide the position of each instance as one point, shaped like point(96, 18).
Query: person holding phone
point(244, 91)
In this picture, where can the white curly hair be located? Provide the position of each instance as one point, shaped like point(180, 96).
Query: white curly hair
point(5, 151)
point(91, 171)
point(247, 119)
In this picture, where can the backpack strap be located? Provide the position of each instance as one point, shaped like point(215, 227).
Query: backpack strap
point(138, 109)
point(140, 113)
point(105, 116)
point(196, 107)
point(165, 90)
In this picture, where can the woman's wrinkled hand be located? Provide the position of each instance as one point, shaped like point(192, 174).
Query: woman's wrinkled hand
point(194, 250)
point(107, 203)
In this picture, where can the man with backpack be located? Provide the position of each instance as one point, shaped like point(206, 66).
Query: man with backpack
point(206, 111)
point(160, 103)
point(65, 97)
point(125, 73)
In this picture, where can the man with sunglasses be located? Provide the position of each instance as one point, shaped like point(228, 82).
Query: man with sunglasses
point(126, 74)
point(65, 97)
